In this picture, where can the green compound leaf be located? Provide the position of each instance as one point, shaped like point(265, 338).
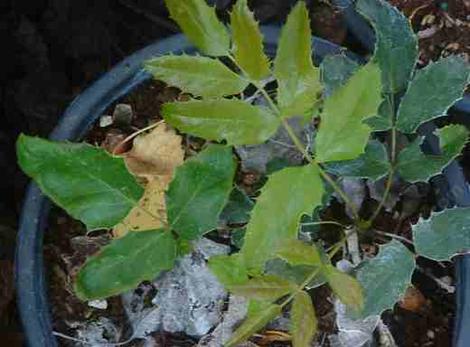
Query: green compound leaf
point(199, 191)
point(344, 113)
point(90, 184)
point(298, 80)
point(432, 91)
point(238, 208)
point(297, 274)
point(346, 288)
point(443, 235)
point(232, 120)
point(414, 165)
point(396, 49)
point(385, 278)
point(383, 121)
point(229, 269)
point(296, 252)
point(335, 71)
point(254, 323)
point(248, 42)
point(199, 23)
point(263, 288)
point(288, 194)
point(304, 320)
point(200, 76)
point(372, 164)
point(126, 262)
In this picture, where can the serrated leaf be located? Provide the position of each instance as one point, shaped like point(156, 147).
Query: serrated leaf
point(263, 288)
point(87, 182)
point(413, 165)
point(346, 288)
point(304, 320)
point(335, 71)
point(200, 76)
point(199, 191)
point(233, 120)
point(443, 235)
point(296, 252)
point(248, 42)
point(344, 113)
point(372, 164)
point(396, 49)
point(385, 278)
point(288, 194)
point(298, 80)
point(383, 121)
point(124, 263)
point(433, 90)
point(229, 269)
point(200, 24)
point(254, 323)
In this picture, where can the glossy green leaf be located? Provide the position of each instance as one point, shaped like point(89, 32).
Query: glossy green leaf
point(199, 191)
point(414, 165)
point(248, 42)
point(200, 76)
point(265, 287)
point(346, 288)
point(443, 235)
point(199, 23)
point(372, 164)
point(238, 208)
point(304, 320)
point(385, 278)
point(86, 181)
point(396, 48)
point(288, 194)
point(433, 90)
point(126, 262)
point(254, 323)
point(229, 269)
point(296, 252)
point(298, 80)
point(235, 121)
point(344, 113)
point(335, 71)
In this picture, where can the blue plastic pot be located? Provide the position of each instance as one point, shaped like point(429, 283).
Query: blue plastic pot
point(75, 122)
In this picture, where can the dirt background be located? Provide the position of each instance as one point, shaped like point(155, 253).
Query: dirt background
point(52, 49)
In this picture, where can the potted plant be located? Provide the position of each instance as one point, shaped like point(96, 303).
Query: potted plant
point(159, 200)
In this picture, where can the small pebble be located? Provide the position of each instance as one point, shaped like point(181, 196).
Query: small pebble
point(106, 121)
point(430, 334)
point(99, 304)
point(123, 114)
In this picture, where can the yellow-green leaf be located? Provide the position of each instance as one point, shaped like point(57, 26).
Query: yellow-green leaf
point(200, 76)
point(346, 288)
point(248, 42)
point(304, 320)
point(200, 24)
point(298, 80)
point(253, 323)
point(343, 134)
point(126, 262)
point(288, 194)
point(229, 269)
point(265, 287)
point(296, 252)
point(232, 120)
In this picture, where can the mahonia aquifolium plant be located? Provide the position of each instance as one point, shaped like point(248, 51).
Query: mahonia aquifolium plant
point(353, 102)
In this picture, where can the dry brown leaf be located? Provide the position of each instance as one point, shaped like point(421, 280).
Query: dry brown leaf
point(154, 156)
point(156, 153)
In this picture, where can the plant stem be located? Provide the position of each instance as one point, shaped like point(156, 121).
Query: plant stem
point(330, 222)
